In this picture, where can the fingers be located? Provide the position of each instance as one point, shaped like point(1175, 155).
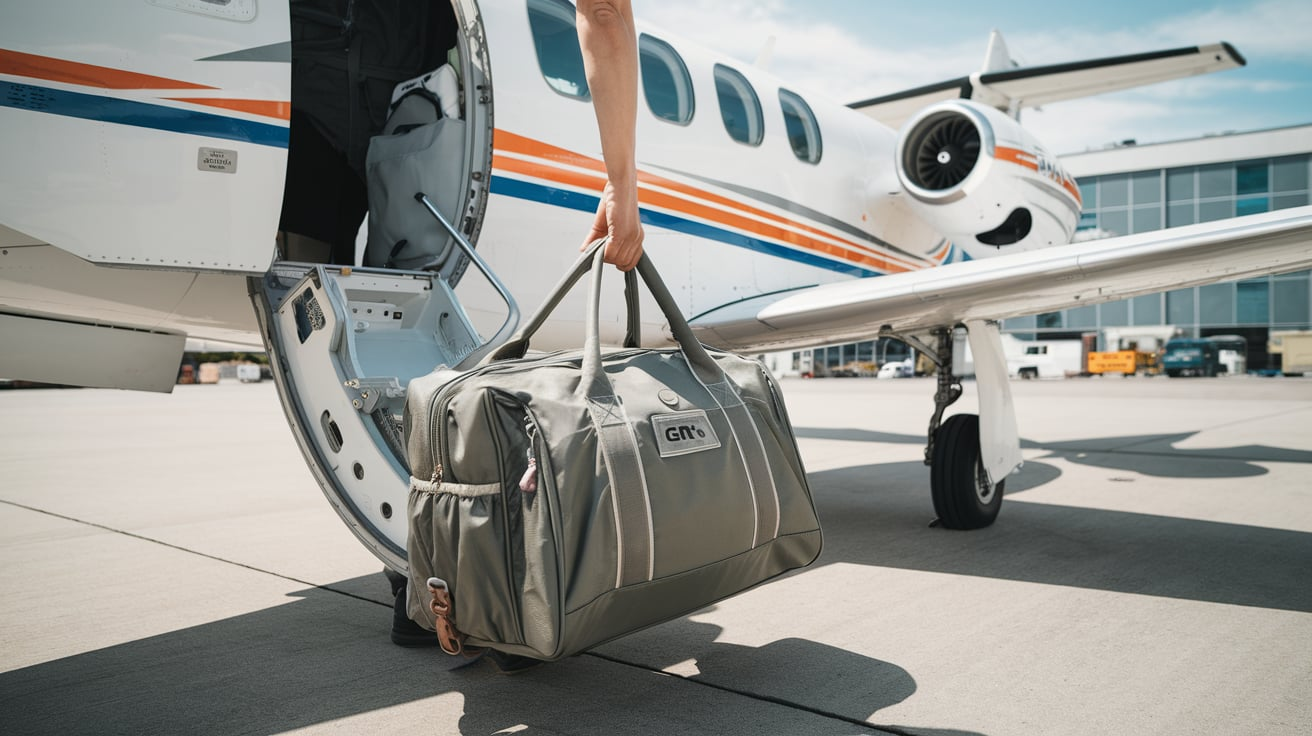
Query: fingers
point(617, 217)
point(624, 250)
point(599, 226)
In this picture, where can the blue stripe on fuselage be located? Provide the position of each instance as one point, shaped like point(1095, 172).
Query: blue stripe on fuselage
point(588, 203)
point(139, 114)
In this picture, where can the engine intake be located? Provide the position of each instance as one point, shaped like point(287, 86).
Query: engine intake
point(981, 180)
point(942, 151)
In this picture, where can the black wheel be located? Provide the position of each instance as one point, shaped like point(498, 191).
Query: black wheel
point(963, 497)
point(1172, 373)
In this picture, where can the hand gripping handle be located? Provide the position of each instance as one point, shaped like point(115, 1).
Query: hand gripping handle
point(591, 260)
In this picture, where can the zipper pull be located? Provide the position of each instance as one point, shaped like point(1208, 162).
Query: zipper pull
point(437, 474)
point(528, 483)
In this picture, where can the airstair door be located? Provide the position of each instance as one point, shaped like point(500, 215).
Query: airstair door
point(344, 343)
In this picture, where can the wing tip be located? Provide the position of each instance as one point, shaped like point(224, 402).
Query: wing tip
point(1234, 53)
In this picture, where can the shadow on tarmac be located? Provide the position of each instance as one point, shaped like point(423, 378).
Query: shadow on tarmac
point(324, 657)
point(1060, 545)
point(1154, 455)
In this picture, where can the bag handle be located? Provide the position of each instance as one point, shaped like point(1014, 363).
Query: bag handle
point(518, 344)
point(592, 260)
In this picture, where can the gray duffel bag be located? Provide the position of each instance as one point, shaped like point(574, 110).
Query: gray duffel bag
point(561, 501)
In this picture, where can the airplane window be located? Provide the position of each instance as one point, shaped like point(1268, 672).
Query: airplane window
point(803, 129)
point(739, 106)
point(665, 81)
point(557, 44)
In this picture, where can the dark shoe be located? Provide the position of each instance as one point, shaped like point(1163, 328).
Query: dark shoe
point(512, 664)
point(395, 579)
point(407, 633)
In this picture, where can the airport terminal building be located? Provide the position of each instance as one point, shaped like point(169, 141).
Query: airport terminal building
point(1137, 188)
point(1129, 188)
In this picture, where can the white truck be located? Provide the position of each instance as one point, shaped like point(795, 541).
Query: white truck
point(1045, 358)
point(1026, 358)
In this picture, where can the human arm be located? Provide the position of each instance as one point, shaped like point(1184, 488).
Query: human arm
point(610, 58)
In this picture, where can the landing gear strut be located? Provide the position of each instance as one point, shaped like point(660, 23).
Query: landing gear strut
point(959, 486)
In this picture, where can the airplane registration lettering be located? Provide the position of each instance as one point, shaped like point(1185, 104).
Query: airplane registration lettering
point(26, 97)
point(217, 159)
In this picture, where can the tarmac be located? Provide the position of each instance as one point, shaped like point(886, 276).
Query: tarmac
point(169, 566)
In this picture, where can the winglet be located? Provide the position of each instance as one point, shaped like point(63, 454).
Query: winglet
point(997, 58)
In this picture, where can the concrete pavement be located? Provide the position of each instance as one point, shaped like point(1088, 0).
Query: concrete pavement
point(169, 566)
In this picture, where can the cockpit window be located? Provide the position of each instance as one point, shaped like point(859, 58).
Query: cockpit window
point(739, 106)
point(665, 81)
point(557, 44)
point(803, 129)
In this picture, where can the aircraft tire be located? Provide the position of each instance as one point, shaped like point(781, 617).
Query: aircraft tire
point(958, 485)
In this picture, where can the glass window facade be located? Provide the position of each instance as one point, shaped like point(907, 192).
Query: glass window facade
point(1143, 201)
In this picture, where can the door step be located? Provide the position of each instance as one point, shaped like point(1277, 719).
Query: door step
point(343, 344)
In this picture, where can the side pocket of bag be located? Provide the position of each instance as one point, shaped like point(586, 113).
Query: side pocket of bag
point(466, 524)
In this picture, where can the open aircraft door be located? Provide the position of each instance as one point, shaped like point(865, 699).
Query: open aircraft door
point(343, 344)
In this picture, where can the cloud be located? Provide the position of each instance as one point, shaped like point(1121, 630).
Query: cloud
point(1278, 28)
point(820, 54)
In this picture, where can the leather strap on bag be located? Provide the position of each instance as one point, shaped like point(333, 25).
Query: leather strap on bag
point(449, 637)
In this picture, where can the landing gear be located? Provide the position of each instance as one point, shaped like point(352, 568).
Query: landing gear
point(963, 496)
point(959, 485)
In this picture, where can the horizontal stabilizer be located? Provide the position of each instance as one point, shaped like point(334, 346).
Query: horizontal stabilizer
point(1010, 90)
point(1015, 285)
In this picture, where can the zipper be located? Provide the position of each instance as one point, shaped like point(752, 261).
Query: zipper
point(443, 397)
point(508, 546)
point(542, 461)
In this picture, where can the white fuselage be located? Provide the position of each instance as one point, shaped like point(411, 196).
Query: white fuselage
point(145, 149)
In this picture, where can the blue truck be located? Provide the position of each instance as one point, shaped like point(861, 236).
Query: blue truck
point(1186, 356)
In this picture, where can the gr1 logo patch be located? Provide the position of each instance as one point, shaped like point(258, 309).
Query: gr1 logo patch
point(683, 432)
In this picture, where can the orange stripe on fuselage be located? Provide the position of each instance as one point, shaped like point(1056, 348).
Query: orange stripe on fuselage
point(267, 108)
point(513, 143)
point(682, 206)
point(1031, 162)
point(89, 75)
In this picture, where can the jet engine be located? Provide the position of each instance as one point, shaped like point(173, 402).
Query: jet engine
point(979, 178)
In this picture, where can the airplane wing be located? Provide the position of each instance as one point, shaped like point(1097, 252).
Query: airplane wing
point(1040, 85)
point(1031, 282)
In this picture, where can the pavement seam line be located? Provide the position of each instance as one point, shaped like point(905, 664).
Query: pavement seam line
point(754, 696)
point(206, 555)
point(603, 657)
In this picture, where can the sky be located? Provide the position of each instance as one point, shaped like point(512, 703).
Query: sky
point(858, 49)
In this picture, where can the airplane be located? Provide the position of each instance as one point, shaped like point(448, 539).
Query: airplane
point(145, 148)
